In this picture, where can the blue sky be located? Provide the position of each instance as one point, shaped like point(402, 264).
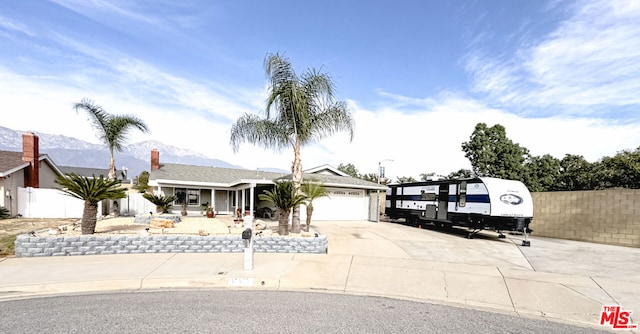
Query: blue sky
point(561, 76)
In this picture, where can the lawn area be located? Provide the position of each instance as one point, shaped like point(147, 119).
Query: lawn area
point(10, 228)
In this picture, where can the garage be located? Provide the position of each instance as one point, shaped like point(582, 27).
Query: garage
point(342, 204)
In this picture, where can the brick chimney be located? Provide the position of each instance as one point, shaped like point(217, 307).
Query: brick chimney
point(155, 159)
point(31, 154)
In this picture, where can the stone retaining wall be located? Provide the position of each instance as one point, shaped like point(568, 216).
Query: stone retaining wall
point(610, 216)
point(29, 246)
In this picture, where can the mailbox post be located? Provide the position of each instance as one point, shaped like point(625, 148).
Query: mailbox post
point(247, 235)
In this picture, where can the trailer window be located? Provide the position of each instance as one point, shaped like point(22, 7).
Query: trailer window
point(427, 196)
point(462, 199)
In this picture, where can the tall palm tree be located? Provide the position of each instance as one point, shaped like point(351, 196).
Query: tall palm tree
point(284, 197)
point(300, 110)
point(313, 190)
point(112, 129)
point(91, 191)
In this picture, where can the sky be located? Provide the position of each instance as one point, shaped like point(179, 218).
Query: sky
point(563, 77)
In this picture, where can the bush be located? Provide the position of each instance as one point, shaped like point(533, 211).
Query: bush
point(4, 213)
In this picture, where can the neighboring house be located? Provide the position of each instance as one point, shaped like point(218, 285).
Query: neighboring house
point(25, 169)
point(95, 172)
point(228, 189)
point(121, 175)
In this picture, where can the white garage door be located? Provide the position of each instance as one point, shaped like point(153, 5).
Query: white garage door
point(342, 204)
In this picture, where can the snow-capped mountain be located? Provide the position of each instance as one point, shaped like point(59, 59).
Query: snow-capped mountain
point(68, 151)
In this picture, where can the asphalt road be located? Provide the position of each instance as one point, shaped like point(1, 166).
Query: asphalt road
point(225, 311)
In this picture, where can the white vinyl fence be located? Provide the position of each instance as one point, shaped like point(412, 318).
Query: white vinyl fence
point(53, 203)
point(134, 204)
point(49, 203)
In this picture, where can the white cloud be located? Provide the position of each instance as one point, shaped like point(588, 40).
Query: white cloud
point(429, 139)
point(592, 58)
point(9, 24)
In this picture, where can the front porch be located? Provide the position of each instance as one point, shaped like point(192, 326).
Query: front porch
point(225, 202)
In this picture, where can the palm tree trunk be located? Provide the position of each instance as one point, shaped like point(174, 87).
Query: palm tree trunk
point(112, 167)
point(89, 218)
point(309, 213)
point(296, 178)
point(283, 221)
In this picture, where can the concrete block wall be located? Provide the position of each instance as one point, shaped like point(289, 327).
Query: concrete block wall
point(609, 216)
point(29, 246)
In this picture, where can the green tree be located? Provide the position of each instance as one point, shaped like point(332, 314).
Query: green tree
point(406, 179)
point(91, 191)
point(461, 174)
point(300, 110)
point(426, 176)
point(349, 169)
point(162, 202)
point(285, 197)
point(313, 190)
point(492, 154)
point(112, 129)
point(373, 177)
point(543, 173)
point(142, 182)
point(576, 173)
point(621, 170)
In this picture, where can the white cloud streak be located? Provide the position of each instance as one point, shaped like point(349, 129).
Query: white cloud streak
point(8, 24)
point(591, 59)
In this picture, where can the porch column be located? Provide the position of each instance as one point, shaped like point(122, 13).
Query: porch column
point(244, 201)
point(252, 193)
point(213, 199)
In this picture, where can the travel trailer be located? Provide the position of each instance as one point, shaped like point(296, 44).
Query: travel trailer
point(481, 203)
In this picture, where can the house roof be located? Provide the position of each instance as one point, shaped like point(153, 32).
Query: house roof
point(329, 180)
point(229, 177)
point(10, 162)
point(89, 172)
point(325, 169)
point(209, 176)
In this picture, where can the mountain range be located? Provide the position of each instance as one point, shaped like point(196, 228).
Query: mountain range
point(69, 151)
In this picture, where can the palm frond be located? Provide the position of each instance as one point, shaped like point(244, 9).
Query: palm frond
point(283, 195)
point(90, 190)
point(264, 132)
point(98, 116)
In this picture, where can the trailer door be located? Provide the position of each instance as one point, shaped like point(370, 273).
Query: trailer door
point(443, 201)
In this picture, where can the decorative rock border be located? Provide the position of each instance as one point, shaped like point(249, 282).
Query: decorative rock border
point(29, 246)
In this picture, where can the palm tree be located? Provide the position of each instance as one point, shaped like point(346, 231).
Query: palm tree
point(284, 197)
point(304, 112)
point(112, 129)
point(313, 190)
point(163, 203)
point(91, 191)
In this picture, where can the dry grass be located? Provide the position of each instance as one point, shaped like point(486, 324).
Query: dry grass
point(10, 228)
point(221, 225)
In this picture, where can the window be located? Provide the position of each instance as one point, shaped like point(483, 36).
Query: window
point(462, 201)
point(190, 196)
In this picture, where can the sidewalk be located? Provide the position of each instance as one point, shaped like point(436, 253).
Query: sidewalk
point(556, 279)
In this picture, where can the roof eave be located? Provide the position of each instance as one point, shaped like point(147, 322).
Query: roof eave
point(14, 169)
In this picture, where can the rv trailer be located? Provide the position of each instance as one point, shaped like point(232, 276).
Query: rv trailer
point(478, 203)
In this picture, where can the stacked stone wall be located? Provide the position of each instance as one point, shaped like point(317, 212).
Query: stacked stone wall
point(29, 246)
point(609, 216)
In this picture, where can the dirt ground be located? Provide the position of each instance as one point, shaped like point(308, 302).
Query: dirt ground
point(10, 228)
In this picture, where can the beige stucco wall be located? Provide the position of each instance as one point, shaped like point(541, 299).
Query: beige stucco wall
point(48, 176)
point(604, 216)
point(11, 183)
